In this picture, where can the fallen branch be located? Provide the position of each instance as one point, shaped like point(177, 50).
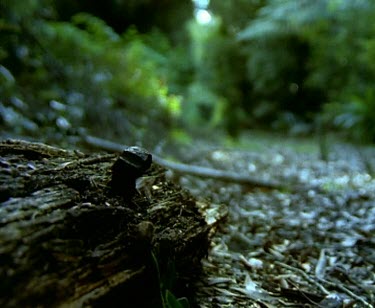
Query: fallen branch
point(199, 171)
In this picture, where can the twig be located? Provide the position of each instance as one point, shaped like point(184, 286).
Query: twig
point(347, 291)
point(84, 161)
point(220, 175)
point(199, 171)
point(307, 277)
point(321, 287)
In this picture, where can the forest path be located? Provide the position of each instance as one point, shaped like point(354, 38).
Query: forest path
point(276, 248)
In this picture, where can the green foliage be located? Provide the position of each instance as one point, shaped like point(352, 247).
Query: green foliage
point(173, 302)
point(166, 283)
point(236, 14)
point(95, 26)
point(98, 57)
point(356, 115)
point(115, 84)
point(213, 95)
point(24, 11)
point(341, 63)
point(262, 62)
point(278, 52)
point(305, 53)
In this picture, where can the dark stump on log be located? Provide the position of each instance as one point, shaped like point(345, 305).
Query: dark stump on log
point(73, 235)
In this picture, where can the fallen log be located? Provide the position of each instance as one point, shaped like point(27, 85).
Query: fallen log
point(70, 237)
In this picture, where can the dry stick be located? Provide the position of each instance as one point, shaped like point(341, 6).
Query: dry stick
point(199, 171)
point(305, 275)
point(347, 291)
point(321, 287)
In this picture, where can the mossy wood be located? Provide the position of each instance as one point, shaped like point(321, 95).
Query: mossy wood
point(68, 239)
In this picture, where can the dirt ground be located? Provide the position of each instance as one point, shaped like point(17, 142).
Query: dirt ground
point(307, 248)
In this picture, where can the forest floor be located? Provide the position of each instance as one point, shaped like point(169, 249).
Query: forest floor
point(311, 247)
point(304, 248)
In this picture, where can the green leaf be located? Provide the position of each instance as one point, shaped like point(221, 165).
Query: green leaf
point(173, 302)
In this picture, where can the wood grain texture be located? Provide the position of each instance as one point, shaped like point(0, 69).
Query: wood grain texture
point(68, 240)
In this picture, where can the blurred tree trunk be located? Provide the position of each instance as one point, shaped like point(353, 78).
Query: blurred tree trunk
point(68, 240)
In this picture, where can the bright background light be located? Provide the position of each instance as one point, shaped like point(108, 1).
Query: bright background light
point(203, 16)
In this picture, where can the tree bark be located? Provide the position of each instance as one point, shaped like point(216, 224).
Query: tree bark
point(68, 239)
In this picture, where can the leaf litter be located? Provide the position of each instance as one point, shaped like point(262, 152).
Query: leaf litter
point(308, 248)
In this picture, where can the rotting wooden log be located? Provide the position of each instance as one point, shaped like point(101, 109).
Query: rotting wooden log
point(68, 239)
